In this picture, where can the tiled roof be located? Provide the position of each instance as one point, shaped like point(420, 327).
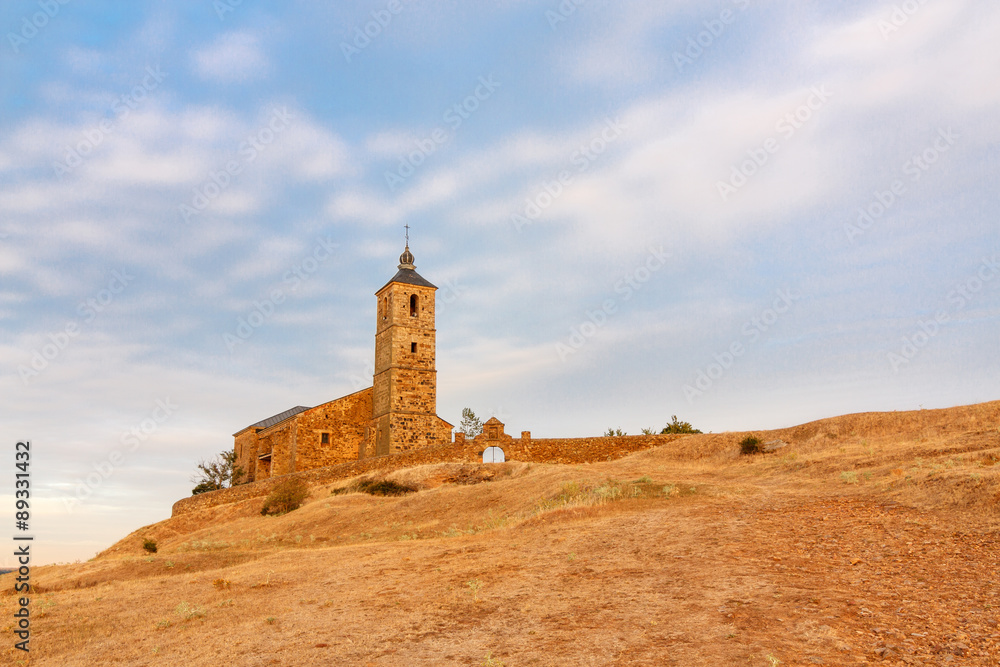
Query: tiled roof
point(280, 417)
point(409, 277)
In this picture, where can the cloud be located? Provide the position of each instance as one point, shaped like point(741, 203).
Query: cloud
point(233, 57)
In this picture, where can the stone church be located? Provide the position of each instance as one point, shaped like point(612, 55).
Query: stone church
point(396, 414)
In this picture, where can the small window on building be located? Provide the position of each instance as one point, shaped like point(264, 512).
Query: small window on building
point(324, 438)
point(413, 305)
point(385, 307)
point(413, 348)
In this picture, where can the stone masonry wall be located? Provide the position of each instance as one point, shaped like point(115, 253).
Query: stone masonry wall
point(278, 440)
point(345, 421)
point(415, 431)
point(535, 450)
point(246, 453)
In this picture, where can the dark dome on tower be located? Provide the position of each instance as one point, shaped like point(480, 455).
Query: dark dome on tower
point(406, 259)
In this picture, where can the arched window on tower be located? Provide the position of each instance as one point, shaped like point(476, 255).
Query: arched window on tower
point(385, 307)
point(413, 305)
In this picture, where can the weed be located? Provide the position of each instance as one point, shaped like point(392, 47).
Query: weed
point(221, 584)
point(571, 557)
point(474, 586)
point(774, 661)
point(645, 479)
point(849, 477)
point(164, 624)
point(149, 545)
point(285, 497)
point(225, 603)
point(751, 445)
point(490, 661)
point(270, 620)
point(188, 612)
point(169, 563)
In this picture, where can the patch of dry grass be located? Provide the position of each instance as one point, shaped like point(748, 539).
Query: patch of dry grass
point(358, 574)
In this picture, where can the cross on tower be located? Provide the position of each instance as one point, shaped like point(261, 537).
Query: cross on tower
point(407, 234)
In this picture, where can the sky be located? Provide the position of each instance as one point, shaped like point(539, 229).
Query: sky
point(747, 214)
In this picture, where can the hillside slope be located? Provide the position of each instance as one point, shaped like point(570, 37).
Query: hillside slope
point(864, 539)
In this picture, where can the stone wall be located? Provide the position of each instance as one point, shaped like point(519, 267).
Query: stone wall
point(536, 450)
point(279, 441)
point(246, 453)
point(345, 422)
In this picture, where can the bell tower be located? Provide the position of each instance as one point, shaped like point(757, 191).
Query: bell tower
point(404, 405)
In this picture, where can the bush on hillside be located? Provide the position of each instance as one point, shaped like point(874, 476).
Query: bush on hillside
point(149, 545)
point(384, 487)
point(677, 426)
point(751, 445)
point(285, 497)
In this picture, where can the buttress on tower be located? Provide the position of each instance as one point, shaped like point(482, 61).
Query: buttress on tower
point(404, 401)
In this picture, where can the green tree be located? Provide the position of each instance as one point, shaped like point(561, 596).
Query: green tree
point(614, 431)
point(471, 426)
point(221, 472)
point(676, 426)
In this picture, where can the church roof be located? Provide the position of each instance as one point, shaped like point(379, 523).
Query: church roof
point(407, 272)
point(409, 277)
point(280, 417)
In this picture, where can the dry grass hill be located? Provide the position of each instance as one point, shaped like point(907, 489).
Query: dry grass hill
point(867, 539)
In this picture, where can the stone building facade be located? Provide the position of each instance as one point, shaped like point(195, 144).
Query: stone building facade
point(397, 414)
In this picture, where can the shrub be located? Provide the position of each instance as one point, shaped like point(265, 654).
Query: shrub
point(285, 497)
point(384, 487)
point(149, 545)
point(751, 445)
point(677, 426)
